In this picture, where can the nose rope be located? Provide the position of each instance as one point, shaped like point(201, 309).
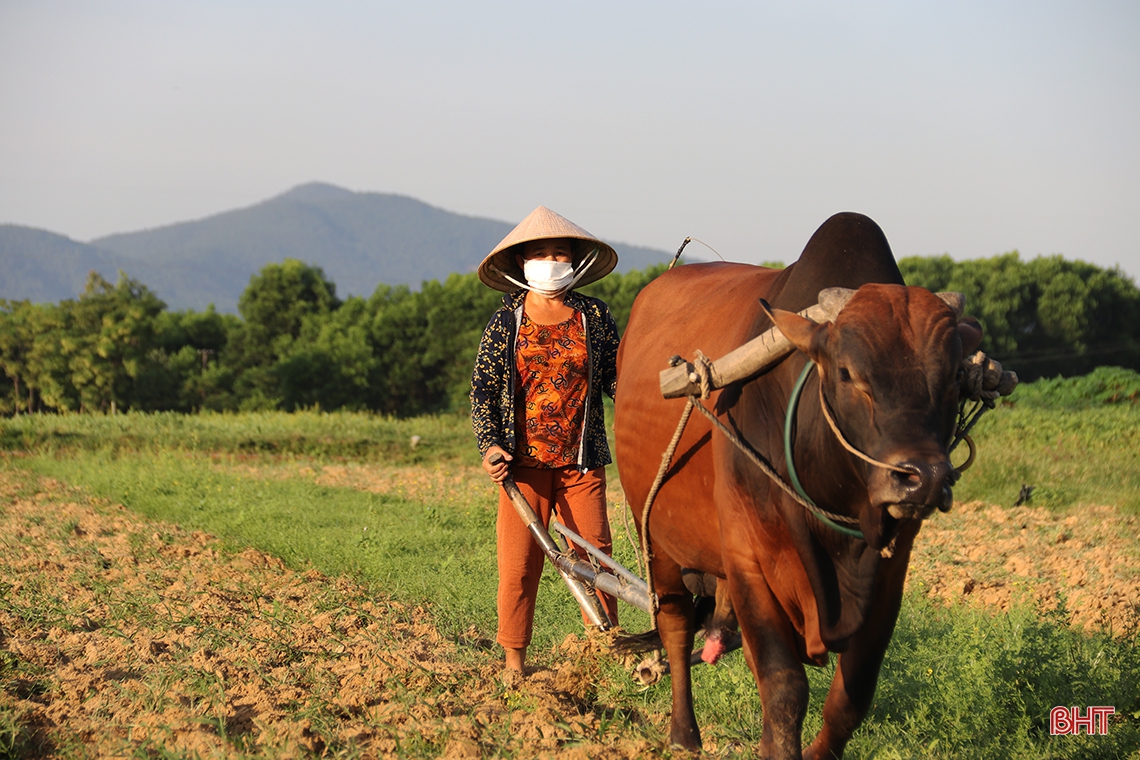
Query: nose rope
point(838, 434)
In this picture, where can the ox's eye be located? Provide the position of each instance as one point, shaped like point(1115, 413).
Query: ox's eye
point(844, 375)
point(961, 374)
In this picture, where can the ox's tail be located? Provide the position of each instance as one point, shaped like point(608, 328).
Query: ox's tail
point(637, 643)
point(709, 618)
point(714, 617)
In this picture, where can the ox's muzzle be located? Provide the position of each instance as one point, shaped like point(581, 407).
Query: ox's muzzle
point(916, 489)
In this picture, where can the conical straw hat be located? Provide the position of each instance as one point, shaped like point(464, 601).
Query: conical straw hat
point(541, 224)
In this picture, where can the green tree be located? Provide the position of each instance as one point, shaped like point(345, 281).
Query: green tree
point(274, 306)
point(110, 336)
point(330, 363)
point(457, 313)
point(280, 297)
point(49, 376)
point(184, 371)
point(16, 340)
point(397, 330)
point(1047, 316)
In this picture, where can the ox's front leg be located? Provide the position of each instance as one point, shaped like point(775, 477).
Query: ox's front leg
point(857, 674)
point(676, 626)
point(769, 648)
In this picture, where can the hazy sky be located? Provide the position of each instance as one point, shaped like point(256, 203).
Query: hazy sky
point(968, 128)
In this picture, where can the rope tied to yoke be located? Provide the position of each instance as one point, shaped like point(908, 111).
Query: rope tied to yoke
point(655, 668)
point(702, 367)
point(666, 460)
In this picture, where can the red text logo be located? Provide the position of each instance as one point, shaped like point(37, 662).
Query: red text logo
point(1064, 721)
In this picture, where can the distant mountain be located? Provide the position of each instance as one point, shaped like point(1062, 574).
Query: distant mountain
point(360, 240)
point(39, 266)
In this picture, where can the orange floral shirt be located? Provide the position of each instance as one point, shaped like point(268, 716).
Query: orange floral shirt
point(553, 381)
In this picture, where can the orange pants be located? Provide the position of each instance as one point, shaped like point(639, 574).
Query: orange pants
point(579, 498)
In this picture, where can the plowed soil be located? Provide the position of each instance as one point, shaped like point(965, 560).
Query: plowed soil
point(125, 637)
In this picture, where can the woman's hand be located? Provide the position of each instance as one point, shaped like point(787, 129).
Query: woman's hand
point(500, 470)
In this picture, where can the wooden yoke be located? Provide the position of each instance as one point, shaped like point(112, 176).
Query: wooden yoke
point(753, 357)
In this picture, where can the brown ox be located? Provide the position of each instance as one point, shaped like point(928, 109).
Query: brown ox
point(889, 365)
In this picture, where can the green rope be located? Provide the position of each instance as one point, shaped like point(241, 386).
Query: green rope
point(789, 423)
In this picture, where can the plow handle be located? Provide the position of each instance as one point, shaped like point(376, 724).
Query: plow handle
point(585, 597)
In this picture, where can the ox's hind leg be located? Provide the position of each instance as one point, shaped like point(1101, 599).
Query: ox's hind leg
point(676, 626)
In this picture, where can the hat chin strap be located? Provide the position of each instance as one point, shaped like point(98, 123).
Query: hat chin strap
point(586, 264)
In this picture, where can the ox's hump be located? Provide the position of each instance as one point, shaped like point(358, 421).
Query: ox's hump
point(847, 251)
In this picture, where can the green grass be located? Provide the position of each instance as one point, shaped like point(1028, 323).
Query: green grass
point(1075, 440)
point(1070, 457)
point(974, 684)
point(1104, 385)
point(357, 435)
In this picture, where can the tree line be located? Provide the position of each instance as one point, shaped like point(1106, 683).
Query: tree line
point(1045, 317)
point(295, 344)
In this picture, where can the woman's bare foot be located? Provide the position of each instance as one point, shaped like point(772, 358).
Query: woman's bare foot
point(516, 659)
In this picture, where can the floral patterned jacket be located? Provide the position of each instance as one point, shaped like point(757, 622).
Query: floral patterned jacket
point(494, 380)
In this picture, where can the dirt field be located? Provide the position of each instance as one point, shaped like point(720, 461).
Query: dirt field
point(152, 641)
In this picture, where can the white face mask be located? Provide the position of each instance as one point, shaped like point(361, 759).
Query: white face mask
point(551, 278)
point(548, 277)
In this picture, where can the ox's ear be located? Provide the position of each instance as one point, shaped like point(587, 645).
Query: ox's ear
point(799, 330)
point(970, 331)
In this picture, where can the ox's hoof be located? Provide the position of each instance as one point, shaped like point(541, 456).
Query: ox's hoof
point(687, 742)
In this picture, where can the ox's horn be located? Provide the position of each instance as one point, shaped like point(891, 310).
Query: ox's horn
point(955, 301)
point(834, 299)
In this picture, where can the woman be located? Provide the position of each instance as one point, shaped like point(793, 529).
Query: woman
point(536, 398)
